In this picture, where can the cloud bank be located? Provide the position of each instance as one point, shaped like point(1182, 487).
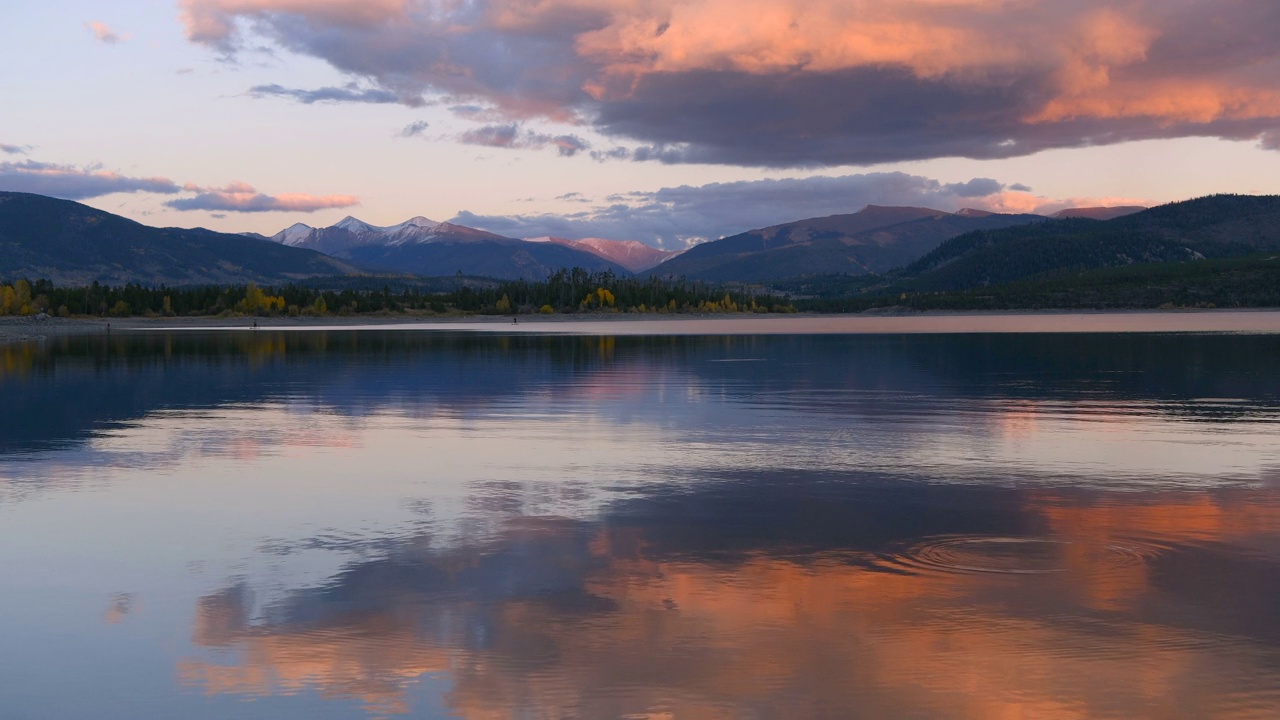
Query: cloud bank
point(76, 183)
point(243, 198)
point(70, 182)
point(674, 217)
point(802, 82)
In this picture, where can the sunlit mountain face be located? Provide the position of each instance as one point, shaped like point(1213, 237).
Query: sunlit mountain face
point(383, 524)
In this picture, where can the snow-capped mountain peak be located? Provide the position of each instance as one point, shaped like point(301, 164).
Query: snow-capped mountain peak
point(414, 230)
point(353, 224)
point(294, 234)
point(349, 233)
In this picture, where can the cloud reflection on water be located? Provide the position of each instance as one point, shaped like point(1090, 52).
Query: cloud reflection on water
point(559, 618)
point(567, 526)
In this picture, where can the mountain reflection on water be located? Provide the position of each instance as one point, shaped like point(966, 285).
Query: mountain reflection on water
point(380, 524)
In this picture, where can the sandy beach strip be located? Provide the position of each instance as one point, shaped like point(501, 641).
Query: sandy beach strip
point(24, 329)
point(20, 329)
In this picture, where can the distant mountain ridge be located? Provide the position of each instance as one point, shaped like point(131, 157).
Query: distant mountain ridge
point(898, 249)
point(74, 244)
point(351, 232)
point(874, 240)
point(1219, 226)
point(425, 247)
point(1099, 213)
point(630, 254)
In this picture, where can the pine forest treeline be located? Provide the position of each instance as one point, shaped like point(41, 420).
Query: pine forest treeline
point(566, 291)
point(1237, 282)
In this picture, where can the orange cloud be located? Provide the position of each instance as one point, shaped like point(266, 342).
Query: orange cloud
point(763, 36)
point(1014, 201)
point(1168, 102)
point(213, 20)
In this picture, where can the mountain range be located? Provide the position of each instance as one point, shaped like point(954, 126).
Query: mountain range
point(70, 243)
point(1220, 226)
point(419, 246)
point(73, 244)
point(872, 241)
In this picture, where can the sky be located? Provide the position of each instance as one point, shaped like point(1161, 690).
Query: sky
point(665, 121)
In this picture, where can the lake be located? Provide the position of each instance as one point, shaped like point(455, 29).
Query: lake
point(385, 523)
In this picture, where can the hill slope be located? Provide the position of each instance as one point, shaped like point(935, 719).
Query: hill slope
point(874, 240)
point(1099, 213)
point(1212, 227)
point(73, 244)
point(503, 258)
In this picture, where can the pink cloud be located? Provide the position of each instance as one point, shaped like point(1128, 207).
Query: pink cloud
point(104, 33)
point(1013, 201)
point(241, 197)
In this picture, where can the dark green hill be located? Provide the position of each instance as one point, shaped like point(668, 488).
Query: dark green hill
point(872, 241)
point(1251, 281)
point(1220, 226)
point(505, 258)
point(73, 244)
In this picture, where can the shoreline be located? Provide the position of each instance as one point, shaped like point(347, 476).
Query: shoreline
point(1254, 320)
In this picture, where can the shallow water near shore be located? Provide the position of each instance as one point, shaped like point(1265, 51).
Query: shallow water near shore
point(1162, 321)
point(398, 523)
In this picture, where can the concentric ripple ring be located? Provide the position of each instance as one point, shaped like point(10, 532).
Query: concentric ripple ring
point(1013, 555)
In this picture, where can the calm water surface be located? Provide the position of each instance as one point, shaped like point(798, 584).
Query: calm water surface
point(385, 524)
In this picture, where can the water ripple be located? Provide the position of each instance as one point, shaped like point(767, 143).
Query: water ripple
point(972, 554)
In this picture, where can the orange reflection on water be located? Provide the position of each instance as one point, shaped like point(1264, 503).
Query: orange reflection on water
point(637, 632)
point(366, 656)
point(1170, 517)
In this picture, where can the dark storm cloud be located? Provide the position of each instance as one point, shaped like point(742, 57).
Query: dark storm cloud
point(675, 216)
point(787, 83)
